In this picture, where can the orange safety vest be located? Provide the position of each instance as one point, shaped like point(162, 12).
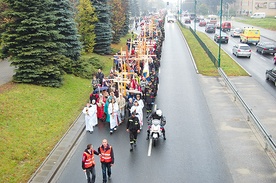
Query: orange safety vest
point(105, 155)
point(89, 161)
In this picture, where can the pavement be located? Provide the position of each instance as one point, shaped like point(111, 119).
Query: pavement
point(216, 93)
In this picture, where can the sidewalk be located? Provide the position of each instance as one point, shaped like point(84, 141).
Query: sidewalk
point(6, 72)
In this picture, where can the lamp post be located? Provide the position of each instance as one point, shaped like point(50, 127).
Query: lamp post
point(195, 18)
point(220, 21)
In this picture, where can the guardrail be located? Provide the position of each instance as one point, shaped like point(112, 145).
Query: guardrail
point(266, 135)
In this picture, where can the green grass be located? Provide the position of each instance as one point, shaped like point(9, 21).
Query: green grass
point(266, 23)
point(203, 62)
point(32, 120)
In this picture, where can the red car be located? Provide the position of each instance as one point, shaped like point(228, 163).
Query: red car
point(202, 23)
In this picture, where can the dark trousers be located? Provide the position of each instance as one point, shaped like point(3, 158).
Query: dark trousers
point(106, 166)
point(133, 136)
point(93, 174)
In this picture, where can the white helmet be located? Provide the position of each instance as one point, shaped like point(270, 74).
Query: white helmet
point(159, 112)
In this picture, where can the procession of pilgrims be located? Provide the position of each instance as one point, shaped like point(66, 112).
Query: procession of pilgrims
point(132, 84)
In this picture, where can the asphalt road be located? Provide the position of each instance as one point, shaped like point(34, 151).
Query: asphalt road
point(208, 138)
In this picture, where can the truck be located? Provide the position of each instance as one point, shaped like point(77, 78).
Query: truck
point(271, 75)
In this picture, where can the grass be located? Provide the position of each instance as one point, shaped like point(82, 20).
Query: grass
point(204, 64)
point(32, 120)
point(266, 23)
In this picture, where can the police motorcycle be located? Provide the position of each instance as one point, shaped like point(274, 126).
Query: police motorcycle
point(156, 127)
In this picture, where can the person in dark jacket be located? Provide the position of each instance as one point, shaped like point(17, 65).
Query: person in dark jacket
point(88, 163)
point(106, 158)
point(100, 76)
point(133, 127)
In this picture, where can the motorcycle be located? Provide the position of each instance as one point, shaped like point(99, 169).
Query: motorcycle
point(155, 130)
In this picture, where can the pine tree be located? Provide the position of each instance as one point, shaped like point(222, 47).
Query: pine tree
point(86, 19)
point(102, 27)
point(30, 40)
point(117, 19)
point(67, 27)
point(127, 17)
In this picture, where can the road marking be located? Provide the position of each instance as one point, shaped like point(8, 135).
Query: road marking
point(150, 146)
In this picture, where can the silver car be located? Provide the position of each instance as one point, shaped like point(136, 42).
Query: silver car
point(241, 50)
point(236, 32)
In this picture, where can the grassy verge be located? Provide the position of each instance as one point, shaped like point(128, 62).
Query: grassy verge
point(32, 121)
point(204, 64)
point(266, 23)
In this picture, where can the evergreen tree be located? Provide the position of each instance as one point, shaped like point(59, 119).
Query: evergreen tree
point(117, 19)
point(67, 27)
point(102, 27)
point(86, 19)
point(127, 17)
point(30, 39)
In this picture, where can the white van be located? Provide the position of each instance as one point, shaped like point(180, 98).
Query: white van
point(258, 15)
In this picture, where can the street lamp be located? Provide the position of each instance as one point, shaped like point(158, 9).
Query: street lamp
point(195, 18)
point(220, 21)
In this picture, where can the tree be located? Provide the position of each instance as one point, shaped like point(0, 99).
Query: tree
point(31, 41)
point(86, 19)
point(134, 8)
point(117, 19)
point(127, 17)
point(67, 27)
point(102, 27)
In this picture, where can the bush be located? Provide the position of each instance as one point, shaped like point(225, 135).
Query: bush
point(86, 67)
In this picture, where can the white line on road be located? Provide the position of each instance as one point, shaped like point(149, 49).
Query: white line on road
point(150, 146)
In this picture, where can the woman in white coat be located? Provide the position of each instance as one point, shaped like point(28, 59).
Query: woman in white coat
point(113, 110)
point(94, 119)
point(139, 112)
point(87, 117)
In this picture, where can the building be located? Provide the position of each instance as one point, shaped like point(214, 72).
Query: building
point(249, 7)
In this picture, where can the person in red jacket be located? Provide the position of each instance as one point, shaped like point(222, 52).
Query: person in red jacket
point(106, 158)
point(88, 163)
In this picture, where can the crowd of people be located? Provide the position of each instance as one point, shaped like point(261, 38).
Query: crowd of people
point(125, 95)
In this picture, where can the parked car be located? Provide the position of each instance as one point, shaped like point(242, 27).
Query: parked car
point(271, 75)
point(224, 37)
point(236, 32)
point(266, 47)
point(210, 28)
point(187, 21)
point(242, 50)
point(202, 23)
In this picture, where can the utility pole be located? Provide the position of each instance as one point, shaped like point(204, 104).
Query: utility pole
point(220, 21)
point(195, 18)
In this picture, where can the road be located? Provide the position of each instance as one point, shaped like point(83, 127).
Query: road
point(197, 149)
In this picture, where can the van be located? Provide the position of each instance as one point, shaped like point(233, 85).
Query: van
point(211, 19)
point(226, 26)
point(250, 35)
point(258, 15)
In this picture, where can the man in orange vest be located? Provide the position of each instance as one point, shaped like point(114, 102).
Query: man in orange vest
point(88, 163)
point(106, 158)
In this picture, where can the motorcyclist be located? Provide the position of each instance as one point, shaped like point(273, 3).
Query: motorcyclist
point(157, 115)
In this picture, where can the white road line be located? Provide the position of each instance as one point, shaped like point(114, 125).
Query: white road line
point(150, 146)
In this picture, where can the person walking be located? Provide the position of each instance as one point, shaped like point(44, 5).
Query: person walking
point(122, 104)
point(113, 109)
point(87, 111)
point(100, 76)
point(106, 158)
point(94, 119)
point(88, 163)
point(133, 128)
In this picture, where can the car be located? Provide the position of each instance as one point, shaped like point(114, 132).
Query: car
point(210, 28)
point(171, 19)
point(187, 21)
point(236, 32)
point(218, 26)
point(226, 26)
point(224, 37)
point(202, 23)
point(271, 75)
point(266, 47)
point(197, 19)
point(242, 50)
